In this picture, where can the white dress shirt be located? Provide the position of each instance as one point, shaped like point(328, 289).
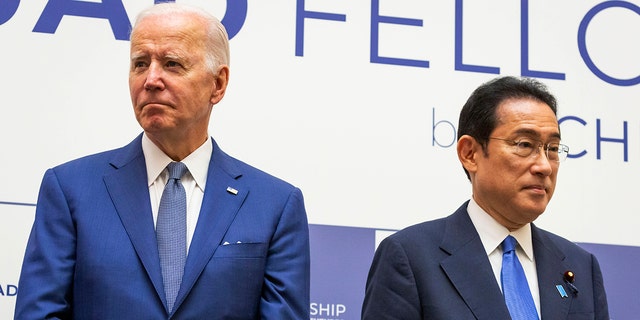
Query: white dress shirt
point(194, 180)
point(493, 233)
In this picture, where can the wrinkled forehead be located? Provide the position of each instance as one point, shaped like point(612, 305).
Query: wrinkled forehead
point(158, 26)
point(176, 33)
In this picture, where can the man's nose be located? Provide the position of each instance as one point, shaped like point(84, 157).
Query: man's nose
point(154, 80)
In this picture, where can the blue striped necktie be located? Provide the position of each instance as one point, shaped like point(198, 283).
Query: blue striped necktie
point(171, 232)
point(514, 284)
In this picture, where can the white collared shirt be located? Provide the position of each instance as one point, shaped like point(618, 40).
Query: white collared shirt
point(493, 233)
point(194, 180)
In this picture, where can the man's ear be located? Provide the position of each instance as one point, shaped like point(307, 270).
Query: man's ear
point(468, 151)
point(221, 81)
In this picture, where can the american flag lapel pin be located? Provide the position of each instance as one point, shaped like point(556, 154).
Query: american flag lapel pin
point(232, 191)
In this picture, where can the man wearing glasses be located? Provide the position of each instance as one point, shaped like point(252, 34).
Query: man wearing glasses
point(487, 260)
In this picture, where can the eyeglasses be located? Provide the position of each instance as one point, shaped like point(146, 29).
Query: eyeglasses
point(525, 147)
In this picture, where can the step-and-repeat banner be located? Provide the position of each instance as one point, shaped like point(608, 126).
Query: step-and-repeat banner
point(356, 102)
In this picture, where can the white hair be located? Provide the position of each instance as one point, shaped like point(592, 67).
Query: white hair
point(217, 43)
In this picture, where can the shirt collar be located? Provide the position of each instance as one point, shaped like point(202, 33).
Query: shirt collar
point(493, 233)
point(197, 162)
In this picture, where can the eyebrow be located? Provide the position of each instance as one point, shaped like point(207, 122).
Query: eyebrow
point(531, 132)
point(137, 56)
point(168, 55)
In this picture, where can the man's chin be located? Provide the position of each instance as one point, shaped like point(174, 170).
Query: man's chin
point(534, 213)
point(154, 122)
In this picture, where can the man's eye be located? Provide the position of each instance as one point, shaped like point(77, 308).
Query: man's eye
point(524, 144)
point(172, 64)
point(553, 148)
point(139, 64)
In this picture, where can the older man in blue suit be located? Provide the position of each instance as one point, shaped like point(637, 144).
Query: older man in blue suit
point(455, 267)
point(93, 250)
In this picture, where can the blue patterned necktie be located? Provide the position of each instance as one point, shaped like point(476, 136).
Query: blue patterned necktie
point(171, 232)
point(514, 284)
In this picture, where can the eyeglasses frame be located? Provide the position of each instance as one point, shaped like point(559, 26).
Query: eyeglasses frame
point(562, 148)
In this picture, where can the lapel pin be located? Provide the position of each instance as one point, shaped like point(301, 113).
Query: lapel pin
point(232, 190)
point(569, 278)
point(563, 293)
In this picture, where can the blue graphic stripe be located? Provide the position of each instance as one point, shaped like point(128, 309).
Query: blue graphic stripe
point(17, 203)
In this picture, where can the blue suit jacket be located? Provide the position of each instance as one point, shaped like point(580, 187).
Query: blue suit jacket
point(92, 252)
point(440, 270)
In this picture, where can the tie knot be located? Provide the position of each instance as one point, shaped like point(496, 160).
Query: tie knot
point(509, 244)
point(176, 170)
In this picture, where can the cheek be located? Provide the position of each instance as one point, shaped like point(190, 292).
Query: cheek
point(505, 168)
point(133, 79)
point(517, 169)
point(553, 178)
point(134, 87)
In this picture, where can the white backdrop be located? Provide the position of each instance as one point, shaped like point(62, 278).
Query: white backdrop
point(369, 142)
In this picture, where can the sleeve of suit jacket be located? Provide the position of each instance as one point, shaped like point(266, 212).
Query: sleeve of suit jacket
point(286, 288)
point(47, 270)
point(391, 292)
point(600, 297)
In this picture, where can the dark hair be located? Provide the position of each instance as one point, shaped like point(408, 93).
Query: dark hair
point(478, 115)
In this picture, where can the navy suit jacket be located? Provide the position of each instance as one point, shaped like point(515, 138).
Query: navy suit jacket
point(92, 252)
point(440, 270)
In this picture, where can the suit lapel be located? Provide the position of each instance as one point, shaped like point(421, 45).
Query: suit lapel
point(550, 267)
point(223, 197)
point(128, 189)
point(469, 269)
